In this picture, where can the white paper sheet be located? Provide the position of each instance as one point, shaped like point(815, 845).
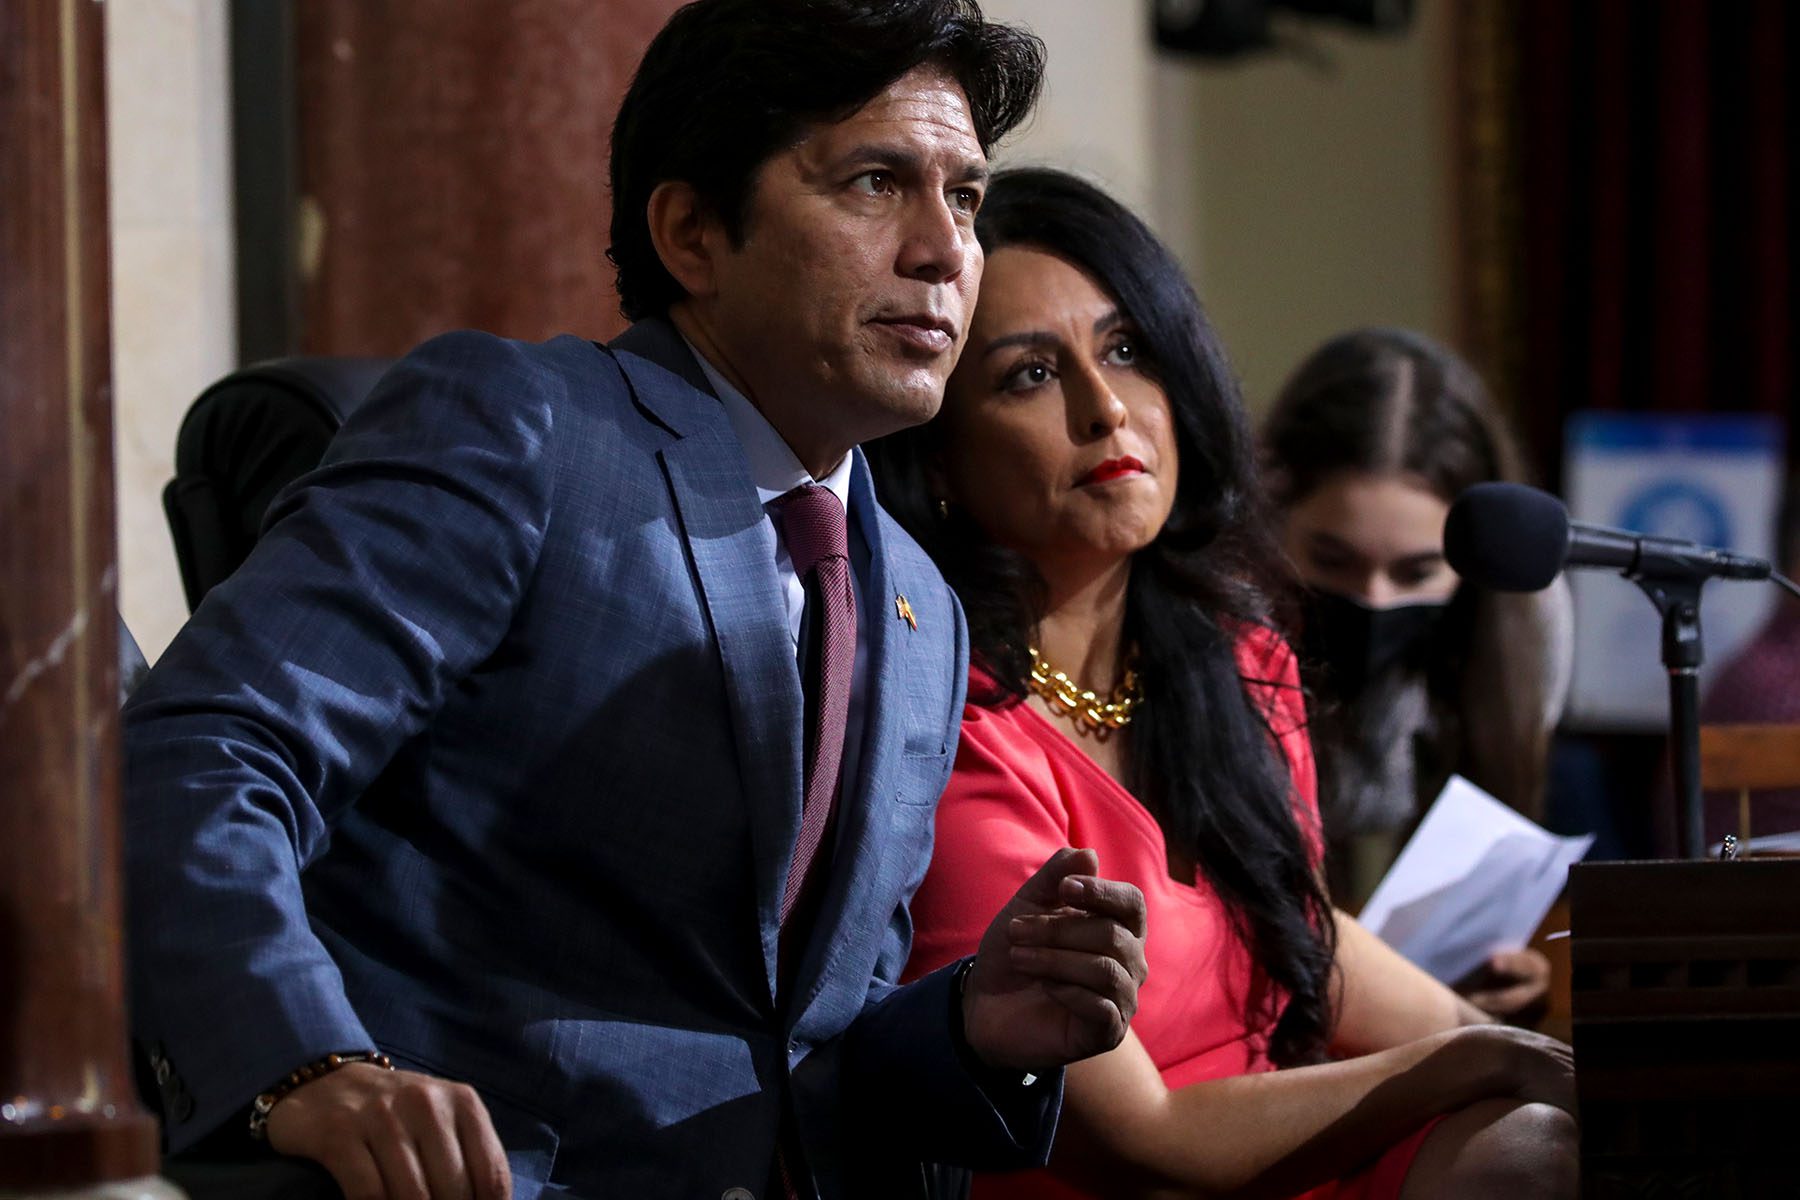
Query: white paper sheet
point(1476, 878)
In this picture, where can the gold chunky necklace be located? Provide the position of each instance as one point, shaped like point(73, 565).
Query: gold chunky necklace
point(1069, 699)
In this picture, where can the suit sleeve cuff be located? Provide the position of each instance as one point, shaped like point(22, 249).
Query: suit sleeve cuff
point(208, 1073)
point(909, 1063)
point(1000, 1086)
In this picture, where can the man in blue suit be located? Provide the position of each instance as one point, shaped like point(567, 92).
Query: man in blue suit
point(539, 805)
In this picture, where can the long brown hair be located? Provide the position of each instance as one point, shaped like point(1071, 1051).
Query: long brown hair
point(1388, 401)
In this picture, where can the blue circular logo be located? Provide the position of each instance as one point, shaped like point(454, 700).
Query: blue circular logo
point(1678, 509)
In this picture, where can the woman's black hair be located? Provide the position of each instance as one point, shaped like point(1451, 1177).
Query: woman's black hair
point(1203, 757)
point(1391, 401)
point(728, 83)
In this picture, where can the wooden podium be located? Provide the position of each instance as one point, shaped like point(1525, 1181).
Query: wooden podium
point(1686, 1007)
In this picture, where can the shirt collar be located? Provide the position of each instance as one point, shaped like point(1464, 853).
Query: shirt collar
point(774, 468)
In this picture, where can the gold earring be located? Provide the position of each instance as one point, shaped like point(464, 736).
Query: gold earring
point(943, 509)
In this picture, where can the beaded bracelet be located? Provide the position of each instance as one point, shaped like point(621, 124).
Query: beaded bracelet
point(259, 1108)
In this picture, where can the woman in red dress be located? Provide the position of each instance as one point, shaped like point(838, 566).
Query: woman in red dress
point(1089, 492)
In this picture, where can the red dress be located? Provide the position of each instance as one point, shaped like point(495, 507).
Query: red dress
point(1021, 791)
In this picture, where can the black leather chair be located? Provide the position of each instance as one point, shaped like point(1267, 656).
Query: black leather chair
point(247, 437)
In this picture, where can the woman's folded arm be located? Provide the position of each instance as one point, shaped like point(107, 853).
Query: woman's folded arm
point(1382, 1000)
point(1277, 1133)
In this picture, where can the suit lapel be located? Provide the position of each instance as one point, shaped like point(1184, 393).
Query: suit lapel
point(862, 839)
point(726, 533)
point(728, 540)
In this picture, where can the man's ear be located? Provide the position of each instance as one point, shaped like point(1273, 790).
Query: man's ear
point(687, 236)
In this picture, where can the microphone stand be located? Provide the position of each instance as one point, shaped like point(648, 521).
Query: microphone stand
point(1678, 600)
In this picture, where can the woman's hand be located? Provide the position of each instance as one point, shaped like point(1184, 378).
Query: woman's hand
point(1513, 985)
point(1518, 1064)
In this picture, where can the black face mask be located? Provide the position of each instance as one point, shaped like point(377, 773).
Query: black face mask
point(1356, 643)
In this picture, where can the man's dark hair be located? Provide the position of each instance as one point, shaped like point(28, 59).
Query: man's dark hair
point(729, 83)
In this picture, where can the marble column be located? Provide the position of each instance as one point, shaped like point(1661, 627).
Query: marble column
point(453, 166)
point(68, 1117)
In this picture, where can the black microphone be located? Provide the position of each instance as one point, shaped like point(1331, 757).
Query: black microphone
point(1514, 538)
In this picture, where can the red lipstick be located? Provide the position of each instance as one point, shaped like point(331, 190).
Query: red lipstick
point(1111, 469)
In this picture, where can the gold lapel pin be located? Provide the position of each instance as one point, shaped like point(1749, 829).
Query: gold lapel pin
point(905, 612)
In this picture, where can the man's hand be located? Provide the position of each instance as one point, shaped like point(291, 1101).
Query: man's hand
point(1512, 985)
point(393, 1135)
point(1057, 974)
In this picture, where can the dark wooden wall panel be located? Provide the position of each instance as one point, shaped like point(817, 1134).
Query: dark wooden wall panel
point(453, 162)
point(67, 1113)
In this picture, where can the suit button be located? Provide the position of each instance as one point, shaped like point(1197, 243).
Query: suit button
point(738, 1194)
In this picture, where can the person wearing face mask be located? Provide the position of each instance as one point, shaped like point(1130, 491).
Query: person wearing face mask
point(1413, 675)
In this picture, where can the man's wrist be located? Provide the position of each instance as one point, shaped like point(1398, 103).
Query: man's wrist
point(984, 1075)
point(304, 1074)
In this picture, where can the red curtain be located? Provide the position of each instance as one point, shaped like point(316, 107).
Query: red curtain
point(1657, 186)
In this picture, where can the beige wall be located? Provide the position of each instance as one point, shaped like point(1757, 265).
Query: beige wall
point(1094, 115)
point(1306, 194)
point(1322, 193)
point(174, 328)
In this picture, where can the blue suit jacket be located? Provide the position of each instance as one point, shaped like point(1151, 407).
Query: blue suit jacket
point(490, 756)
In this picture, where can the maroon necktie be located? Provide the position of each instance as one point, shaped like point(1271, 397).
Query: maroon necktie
point(812, 523)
